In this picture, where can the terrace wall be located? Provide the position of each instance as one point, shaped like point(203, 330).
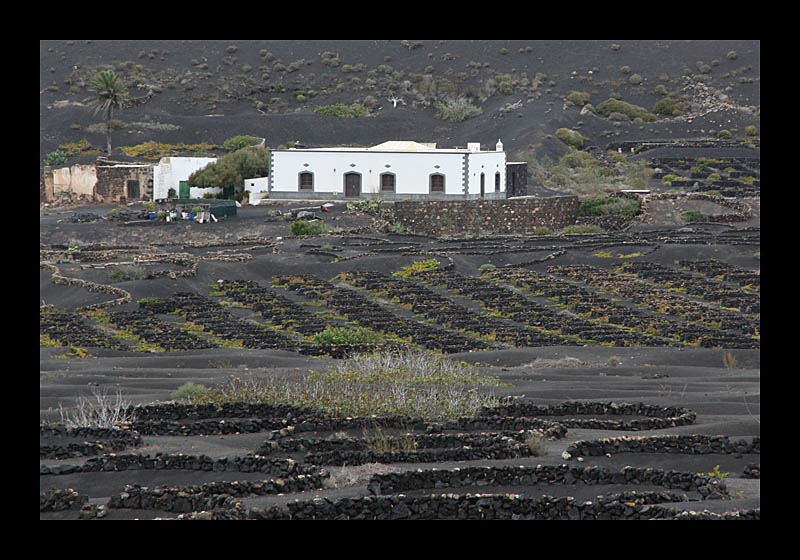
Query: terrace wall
point(510, 216)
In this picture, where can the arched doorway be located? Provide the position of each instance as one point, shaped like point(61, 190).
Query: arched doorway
point(352, 184)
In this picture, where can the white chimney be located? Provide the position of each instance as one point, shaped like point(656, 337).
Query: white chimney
point(499, 146)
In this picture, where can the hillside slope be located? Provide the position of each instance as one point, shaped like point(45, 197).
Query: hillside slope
point(207, 91)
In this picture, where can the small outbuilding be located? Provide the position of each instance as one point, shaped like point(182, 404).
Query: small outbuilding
point(172, 174)
point(392, 170)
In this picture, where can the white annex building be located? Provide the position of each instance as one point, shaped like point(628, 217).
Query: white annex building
point(173, 173)
point(392, 170)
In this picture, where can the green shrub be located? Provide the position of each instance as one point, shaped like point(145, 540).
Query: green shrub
point(486, 266)
point(724, 135)
point(693, 216)
point(238, 142)
point(751, 130)
point(579, 98)
point(610, 206)
point(542, 230)
point(347, 335)
point(342, 111)
point(667, 106)
point(125, 273)
point(144, 302)
point(417, 267)
point(612, 105)
point(456, 109)
point(55, 158)
point(570, 137)
point(413, 383)
point(232, 169)
point(190, 391)
point(303, 227)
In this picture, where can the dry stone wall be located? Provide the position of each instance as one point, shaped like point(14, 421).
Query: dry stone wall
point(481, 217)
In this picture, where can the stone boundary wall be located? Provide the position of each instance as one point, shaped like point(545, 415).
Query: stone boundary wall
point(58, 278)
point(689, 444)
point(741, 210)
point(103, 440)
point(626, 506)
point(281, 468)
point(485, 217)
point(392, 483)
point(653, 417)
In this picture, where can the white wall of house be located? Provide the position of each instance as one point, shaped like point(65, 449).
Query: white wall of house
point(170, 171)
point(412, 171)
point(489, 164)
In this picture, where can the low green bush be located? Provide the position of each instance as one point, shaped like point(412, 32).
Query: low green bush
point(238, 142)
point(456, 109)
point(55, 158)
point(579, 98)
point(667, 106)
point(571, 138)
point(612, 105)
point(190, 391)
point(125, 273)
point(417, 267)
point(347, 335)
point(610, 206)
point(342, 111)
point(144, 302)
point(694, 216)
point(303, 227)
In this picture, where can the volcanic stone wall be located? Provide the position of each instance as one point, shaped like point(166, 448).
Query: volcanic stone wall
point(480, 217)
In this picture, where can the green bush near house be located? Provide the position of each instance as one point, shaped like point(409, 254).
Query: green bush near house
point(238, 142)
point(55, 158)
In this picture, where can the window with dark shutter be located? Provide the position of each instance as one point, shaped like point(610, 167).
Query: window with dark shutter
point(307, 181)
point(497, 182)
point(387, 182)
point(437, 183)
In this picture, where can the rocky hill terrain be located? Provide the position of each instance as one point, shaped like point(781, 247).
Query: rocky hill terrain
point(194, 92)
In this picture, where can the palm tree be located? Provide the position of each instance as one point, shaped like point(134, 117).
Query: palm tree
point(111, 93)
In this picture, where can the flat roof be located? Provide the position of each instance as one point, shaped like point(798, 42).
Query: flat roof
point(395, 146)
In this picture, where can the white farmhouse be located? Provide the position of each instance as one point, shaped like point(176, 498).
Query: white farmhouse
point(173, 173)
point(392, 170)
